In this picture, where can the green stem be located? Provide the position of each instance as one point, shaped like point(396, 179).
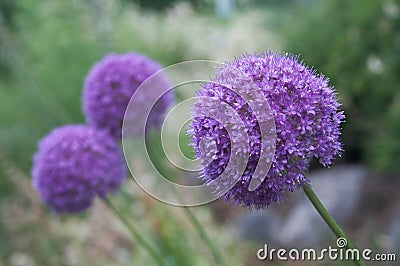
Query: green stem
point(160, 164)
point(200, 230)
point(140, 240)
point(319, 206)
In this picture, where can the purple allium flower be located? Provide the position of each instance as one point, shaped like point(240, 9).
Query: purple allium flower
point(73, 164)
point(307, 120)
point(109, 86)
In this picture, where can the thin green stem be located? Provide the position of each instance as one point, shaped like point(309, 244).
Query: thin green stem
point(140, 240)
point(200, 230)
point(160, 164)
point(319, 206)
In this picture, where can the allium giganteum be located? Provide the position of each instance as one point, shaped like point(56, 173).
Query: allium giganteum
point(75, 163)
point(110, 85)
point(307, 120)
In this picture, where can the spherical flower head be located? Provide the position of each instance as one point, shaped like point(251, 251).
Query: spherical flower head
point(307, 120)
point(110, 85)
point(75, 163)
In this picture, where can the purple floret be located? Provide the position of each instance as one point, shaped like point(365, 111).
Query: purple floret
point(110, 85)
point(75, 163)
point(307, 119)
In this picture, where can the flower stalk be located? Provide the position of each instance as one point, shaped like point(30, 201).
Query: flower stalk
point(160, 164)
point(136, 235)
point(200, 230)
point(319, 206)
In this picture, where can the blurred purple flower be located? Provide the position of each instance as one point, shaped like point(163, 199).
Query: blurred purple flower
point(307, 119)
point(109, 86)
point(73, 164)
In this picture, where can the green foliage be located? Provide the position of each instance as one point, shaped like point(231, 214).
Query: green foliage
point(47, 74)
point(47, 55)
point(356, 44)
point(265, 3)
point(161, 4)
point(47, 47)
point(55, 44)
point(6, 187)
point(8, 8)
point(47, 59)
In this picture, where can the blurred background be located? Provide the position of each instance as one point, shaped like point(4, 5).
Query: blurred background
point(47, 47)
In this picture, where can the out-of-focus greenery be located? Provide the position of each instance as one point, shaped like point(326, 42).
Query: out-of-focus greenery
point(46, 49)
point(7, 10)
point(52, 46)
point(161, 4)
point(356, 44)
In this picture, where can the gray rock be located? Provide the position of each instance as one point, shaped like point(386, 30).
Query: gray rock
point(394, 231)
point(339, 190)
point(260, 226)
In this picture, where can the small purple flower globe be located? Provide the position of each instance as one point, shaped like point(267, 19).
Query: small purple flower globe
point(307, 120)
point(75, 163)
point(110, 85)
